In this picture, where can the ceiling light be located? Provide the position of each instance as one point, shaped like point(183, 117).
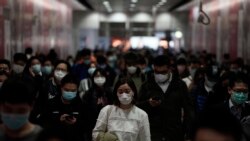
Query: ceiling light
point(160, 4)
point(163, 1)
point(134, 1)
point(106, 3)
point(178, 34)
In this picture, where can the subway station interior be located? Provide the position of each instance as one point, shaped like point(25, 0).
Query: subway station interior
point(124, 70)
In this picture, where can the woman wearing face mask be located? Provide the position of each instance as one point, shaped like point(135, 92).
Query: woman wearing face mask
point(66, 110)
point(98, 96)
point(123, 120)
point(47, 69)
point(50, 89)
point(32, 74)
point(86, 83)
point(62, 68)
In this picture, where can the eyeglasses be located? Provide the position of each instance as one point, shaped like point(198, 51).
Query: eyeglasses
point(241, 91)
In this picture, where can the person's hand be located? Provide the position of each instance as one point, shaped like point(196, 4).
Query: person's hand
point(65, 118)
point(154, 103)
point(31, 72)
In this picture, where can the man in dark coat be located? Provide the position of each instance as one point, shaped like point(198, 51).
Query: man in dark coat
point(166, 101)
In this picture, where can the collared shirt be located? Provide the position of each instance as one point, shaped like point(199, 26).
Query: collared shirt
point(164, 86)
point(188, 80)
point(208, 89)
point(53, 89)
point(236, 110)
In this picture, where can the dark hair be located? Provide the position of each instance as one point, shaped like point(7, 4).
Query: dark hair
point(28, 64)
point(16, 91)
point(101, 59)
point(219, 120)
point(28, 50)
point(20, 57)
point(85, 52)
point(239, 62)
point(238, 78)
point(102, 72)
point(6, 62)
point(47, 59)
point(161, 60)
point(141, 60)
point(131, 84)
point(212, 73)
point(131, 57)
point(63, 62)
point(69, 78)
point(181, 61)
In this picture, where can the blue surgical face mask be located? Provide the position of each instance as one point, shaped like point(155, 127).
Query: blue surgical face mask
point(91, 70)
point(47, 70)
point(239, 97)
point(86, 62)
point(36, 68)
point(68, 95)
point(15, 121)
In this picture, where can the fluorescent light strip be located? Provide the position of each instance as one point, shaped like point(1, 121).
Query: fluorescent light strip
point(134, 1)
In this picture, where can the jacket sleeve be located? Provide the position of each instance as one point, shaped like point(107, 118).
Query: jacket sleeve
point(144, 96)
point(144, 133)
point(188, 108)
point(101, 123)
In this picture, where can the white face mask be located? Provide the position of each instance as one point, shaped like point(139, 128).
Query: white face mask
point(160, 78)
point(99, 81)
point(131, 69)
point(91, 70)
point(18, 69)
point(125, 98)
point(59, 75)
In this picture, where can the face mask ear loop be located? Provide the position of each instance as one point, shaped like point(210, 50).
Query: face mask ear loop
point(203, 15)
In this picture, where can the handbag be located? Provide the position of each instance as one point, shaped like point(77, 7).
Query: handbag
point(106, 136)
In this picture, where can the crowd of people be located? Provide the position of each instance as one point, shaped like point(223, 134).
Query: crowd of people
point(116, 96)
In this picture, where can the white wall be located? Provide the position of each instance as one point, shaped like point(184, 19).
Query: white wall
point(163, 21)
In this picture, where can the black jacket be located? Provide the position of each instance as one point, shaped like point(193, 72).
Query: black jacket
point(244, 117)
point(55, 108)
point(166, 119)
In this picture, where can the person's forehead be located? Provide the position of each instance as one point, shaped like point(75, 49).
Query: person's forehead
point(61, 65)
point(4, 66)
point(16, 105)
point(47, 62)
point(20, 62)
point(164, 67)
point(240, 85)
point(3, 77)
point(124, 86)
point(35, 61)
point(70, 86)
point(211, 135)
